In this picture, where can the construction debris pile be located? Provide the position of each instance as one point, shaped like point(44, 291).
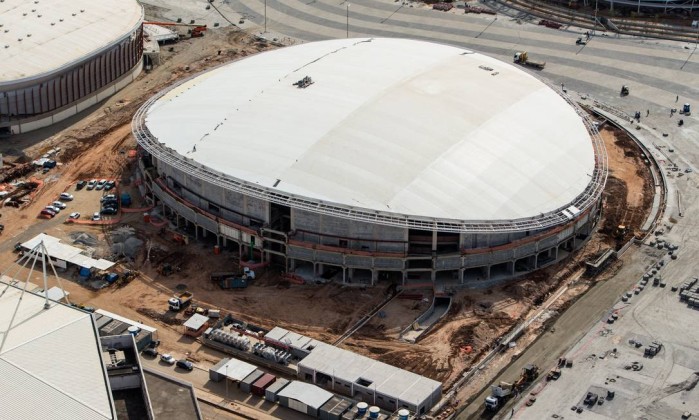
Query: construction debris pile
point(125, 243)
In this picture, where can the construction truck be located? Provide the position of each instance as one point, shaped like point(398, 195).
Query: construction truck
point(522, 57)
point(180, 301)
point(502, 392)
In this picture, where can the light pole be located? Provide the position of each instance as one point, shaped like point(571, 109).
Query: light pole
point(594, 24)
point(691, 12)
point(348, 5)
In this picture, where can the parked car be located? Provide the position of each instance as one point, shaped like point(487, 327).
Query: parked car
point(80, 185)
point(108, 197)
point(109, 185)
point(91, 184)
point(59, 204)
point(110, 203)
point(150, 351)
point(185, 364)
point(53, 208)
point(48, 212)
point(100, 184)
point(66, 197)
point(109, 210)
point(74, 215)
point(167, 358)
point(96, 217)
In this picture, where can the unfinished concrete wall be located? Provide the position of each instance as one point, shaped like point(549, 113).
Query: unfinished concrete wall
point(348, 233)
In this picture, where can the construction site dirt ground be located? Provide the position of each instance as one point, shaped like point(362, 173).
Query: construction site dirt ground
point(95, 148)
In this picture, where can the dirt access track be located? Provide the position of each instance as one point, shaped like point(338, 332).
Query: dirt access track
point(94, 148)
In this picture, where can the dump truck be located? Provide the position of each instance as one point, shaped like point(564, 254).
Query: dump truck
point(180, 301)
point(522, 57)
point(502, 392)
point(233, 280)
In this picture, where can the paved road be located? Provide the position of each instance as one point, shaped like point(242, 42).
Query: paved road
point(588, 312)
point(655, 70)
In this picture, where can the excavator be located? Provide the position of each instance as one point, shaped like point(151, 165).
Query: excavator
point(195, 30)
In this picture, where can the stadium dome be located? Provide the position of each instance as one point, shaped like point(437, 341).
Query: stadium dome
point(61, 56)
point(377, 146)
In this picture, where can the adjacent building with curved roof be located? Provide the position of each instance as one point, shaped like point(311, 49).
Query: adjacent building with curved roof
point(62, 56)
point(396, 157)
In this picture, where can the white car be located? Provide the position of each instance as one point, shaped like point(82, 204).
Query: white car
point(167, 358)
point(74, 215)
point(59, 204)
point(53, 208)
point(96, 216)
point(66, 197)
point(100, 184)
point(91, 184)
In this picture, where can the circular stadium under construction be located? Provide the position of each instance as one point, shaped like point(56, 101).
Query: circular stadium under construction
point(59, 57)
point(372, 159)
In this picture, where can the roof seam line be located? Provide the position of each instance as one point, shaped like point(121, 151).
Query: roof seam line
point(57, 389)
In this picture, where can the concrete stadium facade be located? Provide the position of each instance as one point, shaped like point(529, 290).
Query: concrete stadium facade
point(322, 239)
point(50, 79)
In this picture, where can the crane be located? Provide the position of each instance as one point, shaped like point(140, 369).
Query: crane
point(196, 30)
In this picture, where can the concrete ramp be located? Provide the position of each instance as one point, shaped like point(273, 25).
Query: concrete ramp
point(440, 307)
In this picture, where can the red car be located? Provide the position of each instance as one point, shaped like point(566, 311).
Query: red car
point(47, 212)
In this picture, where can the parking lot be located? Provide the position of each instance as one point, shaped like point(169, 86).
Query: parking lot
point(644, 364)
point(89, 201)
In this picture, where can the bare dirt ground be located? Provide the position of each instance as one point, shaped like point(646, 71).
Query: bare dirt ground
point(95, 147)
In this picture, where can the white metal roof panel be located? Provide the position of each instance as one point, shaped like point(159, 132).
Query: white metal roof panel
point(392, 125)
point(160, 33)
point(55, 293)
point(385, 379)
point(39, 37)
point(236, 370)
point(276, 333)
point(196, 321)
point(68, 253)
point(311, 395)
point(50, 357)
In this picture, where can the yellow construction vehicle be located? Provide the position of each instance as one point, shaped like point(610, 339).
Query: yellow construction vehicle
point(522, 57)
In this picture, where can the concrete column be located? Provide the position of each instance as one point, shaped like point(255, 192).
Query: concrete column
point(512, 268)
point(433, 275)
point(196, 231)
point(350, 274)
point(404, 275)
point(225, 241)
point(344, 274)
point(374, 277)
point(487, 272)
point(203, 232)
point(291, 265)
point(461, 275)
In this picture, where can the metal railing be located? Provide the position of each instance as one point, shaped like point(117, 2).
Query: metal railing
point(582, 202)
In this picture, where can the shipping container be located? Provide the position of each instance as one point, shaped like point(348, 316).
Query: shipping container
point(246, 384)
point(260, 385)
point(272, 391)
